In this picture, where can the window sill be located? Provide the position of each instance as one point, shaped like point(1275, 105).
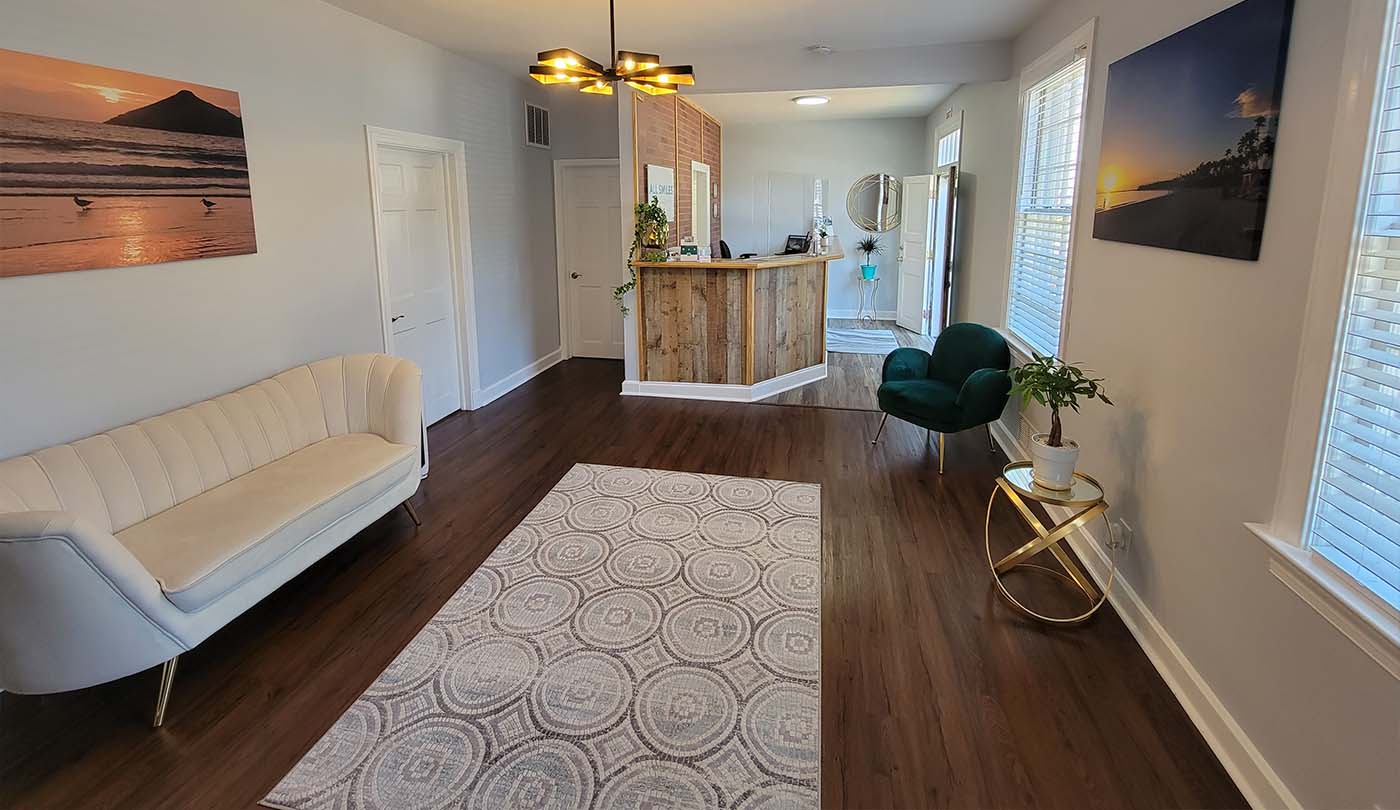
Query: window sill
point(1336, 598)
point(1020, 350)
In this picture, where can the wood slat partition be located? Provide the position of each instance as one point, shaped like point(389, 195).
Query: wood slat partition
point(731, 323)
point(694, 325)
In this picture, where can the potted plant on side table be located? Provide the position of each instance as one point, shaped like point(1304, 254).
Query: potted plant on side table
point(869, 246)
point(1054, 384)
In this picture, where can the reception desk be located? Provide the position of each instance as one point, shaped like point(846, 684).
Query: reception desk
point(733, 322)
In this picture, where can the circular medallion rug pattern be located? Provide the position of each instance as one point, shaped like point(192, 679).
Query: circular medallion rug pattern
point(643, 640)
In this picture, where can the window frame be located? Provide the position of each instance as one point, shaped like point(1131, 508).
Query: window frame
point(1353, 609)
point(1058, 57)
point(952, 124)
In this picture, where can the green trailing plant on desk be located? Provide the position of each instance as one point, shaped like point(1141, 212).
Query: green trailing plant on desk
point(649, 238)
point(1055, 384)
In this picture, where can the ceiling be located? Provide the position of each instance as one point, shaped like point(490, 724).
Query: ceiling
point(743, 44)
point(861, 102)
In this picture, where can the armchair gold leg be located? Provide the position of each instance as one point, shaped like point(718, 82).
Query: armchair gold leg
point(883, 417)
point(167, 679)
point(412, 513)
point(940, 453)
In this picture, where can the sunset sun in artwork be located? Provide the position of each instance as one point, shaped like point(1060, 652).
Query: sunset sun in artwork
point(1110, 179)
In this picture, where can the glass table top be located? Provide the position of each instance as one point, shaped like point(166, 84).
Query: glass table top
point(1084, 492)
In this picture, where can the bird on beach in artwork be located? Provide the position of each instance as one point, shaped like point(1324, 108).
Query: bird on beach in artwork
point(207, 202)
point(81, 203)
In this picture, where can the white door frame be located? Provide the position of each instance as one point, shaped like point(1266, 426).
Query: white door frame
point(454, 154)
point(566, 348)
point(709, 202)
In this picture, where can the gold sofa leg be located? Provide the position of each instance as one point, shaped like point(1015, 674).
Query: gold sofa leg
point(167, 678)
point(412, 513)
point(940, 453)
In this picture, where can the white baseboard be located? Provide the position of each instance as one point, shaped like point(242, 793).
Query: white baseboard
point(1252, 774)
point(880, 315)
point(485, 396)
point(725, 393)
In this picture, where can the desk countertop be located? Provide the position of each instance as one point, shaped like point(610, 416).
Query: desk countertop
point(756, 263)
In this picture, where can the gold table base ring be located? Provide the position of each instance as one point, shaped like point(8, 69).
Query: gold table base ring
point(1062, 532)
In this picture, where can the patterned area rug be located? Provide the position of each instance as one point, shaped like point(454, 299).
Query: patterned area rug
point(644, 640)
point(861, 341)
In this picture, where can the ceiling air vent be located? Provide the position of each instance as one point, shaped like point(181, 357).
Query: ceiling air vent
point(536, 126)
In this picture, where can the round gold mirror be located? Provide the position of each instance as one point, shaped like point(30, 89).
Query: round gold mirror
point(873, 203)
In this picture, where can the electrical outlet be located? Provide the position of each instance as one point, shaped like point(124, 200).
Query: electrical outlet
point(1122, 534)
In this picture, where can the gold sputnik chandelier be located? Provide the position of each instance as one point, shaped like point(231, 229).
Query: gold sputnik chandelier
point(641, 71)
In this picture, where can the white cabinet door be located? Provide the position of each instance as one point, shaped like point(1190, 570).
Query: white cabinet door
point(911, 310)
point(413, 228)
point(592, 257)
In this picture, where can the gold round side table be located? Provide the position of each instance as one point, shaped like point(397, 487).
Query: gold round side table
point(1087, 497)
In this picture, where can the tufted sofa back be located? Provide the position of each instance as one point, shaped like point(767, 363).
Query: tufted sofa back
point(124, 476)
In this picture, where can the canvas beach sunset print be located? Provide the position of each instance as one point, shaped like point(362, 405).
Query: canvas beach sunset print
point(1190, 127)
point(108, 168)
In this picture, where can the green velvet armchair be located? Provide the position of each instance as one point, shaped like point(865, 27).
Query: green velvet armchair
point(962, 384)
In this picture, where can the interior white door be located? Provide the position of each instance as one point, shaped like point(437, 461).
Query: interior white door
point(945, 197)
point(416, 242)
point(592, 258)
point(911, 309)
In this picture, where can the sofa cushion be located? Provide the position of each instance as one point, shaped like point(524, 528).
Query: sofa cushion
point(211, 543)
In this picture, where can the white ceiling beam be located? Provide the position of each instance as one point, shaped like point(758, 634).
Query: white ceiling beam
point(750, 69)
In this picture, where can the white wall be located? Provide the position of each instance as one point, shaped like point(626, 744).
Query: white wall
point(1200, 356)
point(986, 176)
point(85, 351)
point(582, 125)
point(840, 152)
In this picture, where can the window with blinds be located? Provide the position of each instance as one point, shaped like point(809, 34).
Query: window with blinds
point(949, 148)
point(1356, 510)
point(1045, 186)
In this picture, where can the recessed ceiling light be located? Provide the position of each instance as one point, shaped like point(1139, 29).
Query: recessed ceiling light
point(810, 101)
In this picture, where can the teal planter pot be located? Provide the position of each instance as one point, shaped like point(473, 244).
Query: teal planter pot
point(867, 271)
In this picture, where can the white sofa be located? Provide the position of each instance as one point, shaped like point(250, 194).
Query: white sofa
point(122, 550)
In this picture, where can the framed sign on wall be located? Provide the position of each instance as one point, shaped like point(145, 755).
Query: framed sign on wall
point(661, 184)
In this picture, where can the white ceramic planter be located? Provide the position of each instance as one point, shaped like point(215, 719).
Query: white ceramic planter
point(1053, 466)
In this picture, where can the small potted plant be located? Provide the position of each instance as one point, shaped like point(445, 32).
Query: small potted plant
point(1054, 384)
point(869, 246)
point(649, 238)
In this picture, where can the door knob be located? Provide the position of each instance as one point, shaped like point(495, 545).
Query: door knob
point(573, 275)
point(395, 318)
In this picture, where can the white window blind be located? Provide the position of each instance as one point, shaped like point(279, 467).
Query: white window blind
point(1049, 166)
point(949, 148)
point(1356, 510)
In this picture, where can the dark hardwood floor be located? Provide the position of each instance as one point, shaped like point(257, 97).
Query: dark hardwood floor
point(851, 379)
point(933, 693)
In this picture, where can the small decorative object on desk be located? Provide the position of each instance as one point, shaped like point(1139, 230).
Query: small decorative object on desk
point(1054, 384)
point(870, 247)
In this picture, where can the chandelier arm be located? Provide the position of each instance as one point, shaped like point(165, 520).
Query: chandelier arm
point(612, 35)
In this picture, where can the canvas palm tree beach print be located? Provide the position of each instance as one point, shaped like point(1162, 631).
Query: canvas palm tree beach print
point(1189, 133)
